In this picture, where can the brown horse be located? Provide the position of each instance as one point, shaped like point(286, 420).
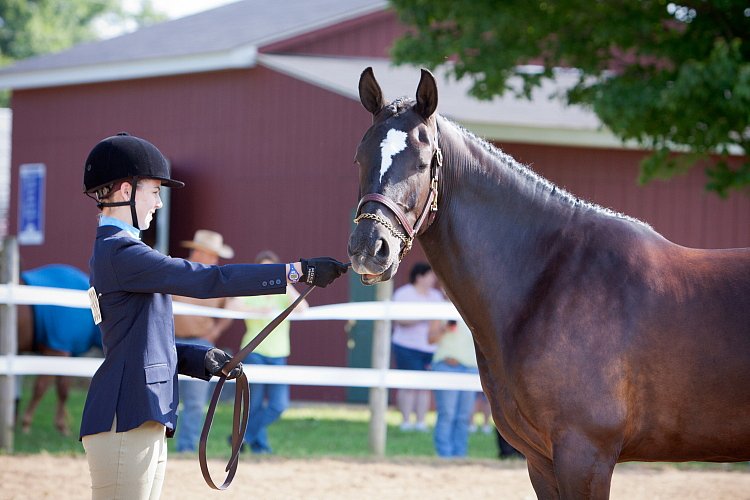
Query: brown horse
point(54, 331)
point(598, 340)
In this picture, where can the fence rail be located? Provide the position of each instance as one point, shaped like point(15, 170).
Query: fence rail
point(377, 379)
point(266, 374)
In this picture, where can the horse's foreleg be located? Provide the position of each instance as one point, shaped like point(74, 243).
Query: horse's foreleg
point(542, 477)
point(583, 468)
point(61, 418)
point(40, 387)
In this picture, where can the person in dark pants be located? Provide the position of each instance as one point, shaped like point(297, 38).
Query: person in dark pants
point(411, 347)
point(504, 448)
point(132, 401)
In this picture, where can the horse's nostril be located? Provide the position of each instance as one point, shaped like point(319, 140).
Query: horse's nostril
point(380, 248)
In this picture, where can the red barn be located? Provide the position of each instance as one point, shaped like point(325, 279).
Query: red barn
point(255, 104)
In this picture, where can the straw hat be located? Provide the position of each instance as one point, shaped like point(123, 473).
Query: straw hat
point(210, 241)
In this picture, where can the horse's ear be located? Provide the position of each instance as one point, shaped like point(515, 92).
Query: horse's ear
point(369, 92)
point(427, 96)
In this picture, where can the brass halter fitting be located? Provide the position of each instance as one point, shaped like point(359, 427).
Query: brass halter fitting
point(407, 241)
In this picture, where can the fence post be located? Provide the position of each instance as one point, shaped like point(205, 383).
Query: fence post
point(9, 268)
point(381, 360)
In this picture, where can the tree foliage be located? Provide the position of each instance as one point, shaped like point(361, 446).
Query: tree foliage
point(33, 27)
point(671, 76)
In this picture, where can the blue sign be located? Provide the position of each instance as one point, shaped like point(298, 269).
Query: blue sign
point(31, 178)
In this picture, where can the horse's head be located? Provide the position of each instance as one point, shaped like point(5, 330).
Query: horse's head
point(399, 162)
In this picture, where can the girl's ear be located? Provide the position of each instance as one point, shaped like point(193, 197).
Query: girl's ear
point(127, 190)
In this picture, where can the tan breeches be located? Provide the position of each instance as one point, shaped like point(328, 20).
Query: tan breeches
point(127, 465)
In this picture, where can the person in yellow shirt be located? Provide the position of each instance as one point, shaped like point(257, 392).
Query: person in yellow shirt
point(267, 401)
point(455, 353)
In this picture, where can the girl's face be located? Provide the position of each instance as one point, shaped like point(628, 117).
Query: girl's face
point(147, 201)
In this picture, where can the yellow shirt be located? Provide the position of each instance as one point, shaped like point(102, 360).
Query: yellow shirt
point(457, 344)
point(277, 344)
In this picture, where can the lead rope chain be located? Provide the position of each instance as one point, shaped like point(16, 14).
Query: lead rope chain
point(393, 229)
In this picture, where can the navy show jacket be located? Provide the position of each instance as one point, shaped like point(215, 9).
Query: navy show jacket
point(137, 381)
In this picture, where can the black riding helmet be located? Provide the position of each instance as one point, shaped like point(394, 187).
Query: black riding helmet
point(124, 157)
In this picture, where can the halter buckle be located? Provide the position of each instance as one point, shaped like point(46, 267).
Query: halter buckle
point(434, 189)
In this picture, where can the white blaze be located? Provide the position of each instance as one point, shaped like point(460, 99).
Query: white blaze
point(394, 143)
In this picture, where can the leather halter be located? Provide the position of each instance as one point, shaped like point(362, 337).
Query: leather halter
point(428, 212)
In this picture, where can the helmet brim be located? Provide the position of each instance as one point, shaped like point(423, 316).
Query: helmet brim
point(171, 183)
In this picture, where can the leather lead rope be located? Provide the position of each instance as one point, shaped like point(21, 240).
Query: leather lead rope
point(241, 401)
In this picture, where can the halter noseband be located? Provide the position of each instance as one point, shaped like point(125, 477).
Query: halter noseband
point(428, 212)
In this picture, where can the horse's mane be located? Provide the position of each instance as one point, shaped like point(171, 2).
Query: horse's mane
point(404, 104)
point(526, 171)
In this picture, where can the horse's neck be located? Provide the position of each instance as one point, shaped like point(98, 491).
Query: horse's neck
point(490, 241)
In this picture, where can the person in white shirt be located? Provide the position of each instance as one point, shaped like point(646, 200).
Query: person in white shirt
point(411, 346)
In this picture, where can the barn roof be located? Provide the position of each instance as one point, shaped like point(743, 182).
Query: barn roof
point(222, 38)
point(233, 35)
point(546, 119)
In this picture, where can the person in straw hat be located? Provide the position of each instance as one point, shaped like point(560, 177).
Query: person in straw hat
point(131, 405)
point(206, 247)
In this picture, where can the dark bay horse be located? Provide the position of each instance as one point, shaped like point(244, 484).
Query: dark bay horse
point(54, 331)
point(598, 340)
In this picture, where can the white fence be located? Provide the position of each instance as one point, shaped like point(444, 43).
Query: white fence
point(290, 374)
point(378, 379)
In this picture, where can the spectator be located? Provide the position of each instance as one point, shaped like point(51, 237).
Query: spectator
point(505, 449)
point(455, 354)
point(411, 347)
point(132, 399)
point(267, 401)
point(206, 248)
point(482, 407)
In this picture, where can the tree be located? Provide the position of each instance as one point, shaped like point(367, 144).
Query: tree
point(33, 27)
point(675, 77)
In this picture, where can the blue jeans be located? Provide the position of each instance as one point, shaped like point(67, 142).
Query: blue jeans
point(193, 395)
point(267, 403)
point(454, 412)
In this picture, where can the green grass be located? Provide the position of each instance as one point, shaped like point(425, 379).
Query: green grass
point(304, 431)
point(312, 430)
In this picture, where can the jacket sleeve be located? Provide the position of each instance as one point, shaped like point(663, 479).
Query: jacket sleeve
point(141, 269)
point(191, 360)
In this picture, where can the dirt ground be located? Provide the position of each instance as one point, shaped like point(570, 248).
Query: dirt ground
point(45, 476)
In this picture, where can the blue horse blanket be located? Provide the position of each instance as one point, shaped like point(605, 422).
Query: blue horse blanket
point(64, 329)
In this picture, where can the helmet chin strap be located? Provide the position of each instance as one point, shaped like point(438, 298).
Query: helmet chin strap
point(131, 202)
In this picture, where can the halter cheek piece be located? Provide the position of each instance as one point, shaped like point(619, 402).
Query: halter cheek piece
point(428, 212)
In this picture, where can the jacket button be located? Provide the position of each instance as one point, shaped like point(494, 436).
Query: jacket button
point(265, 283)
point(278, 281)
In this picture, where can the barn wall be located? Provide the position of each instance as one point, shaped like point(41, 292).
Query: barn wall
point(267, 161)
point(680, 209)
